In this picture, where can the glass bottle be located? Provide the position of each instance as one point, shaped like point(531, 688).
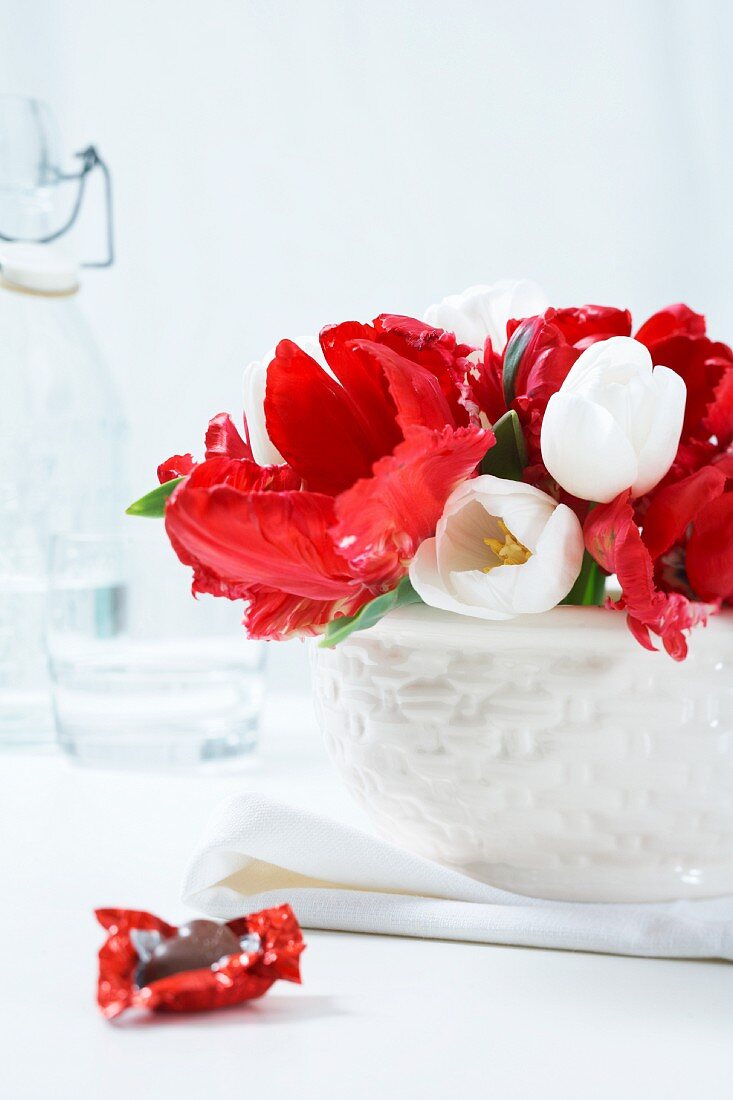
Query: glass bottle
point(61, 430)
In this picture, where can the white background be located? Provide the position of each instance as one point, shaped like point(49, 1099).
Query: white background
point(279, 165)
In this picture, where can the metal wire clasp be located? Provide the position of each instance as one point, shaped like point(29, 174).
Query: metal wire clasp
point(90, 159)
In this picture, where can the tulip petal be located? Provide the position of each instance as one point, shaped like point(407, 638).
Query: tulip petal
point(584, 449)
point(524, 509)
point(450, 571)
point(482, 312)
point(363, 380)
point(524, 515)
point(242, 474)
point(709, 558)
point(641, 633)
point(583, 325)
point(381, 520)
point(222, 438)
point(545, 580)
point(719, 420)
point(263, 449)
point(433, 590)
point(487, 595)
point(273, 615)
point(218, 521)
point(614, 540)
point(674, 507)
point(427, 582)
point(675, 320)
point(279, 539)
point(538, 585)
point(452, 364)
point(701, 364)
point(618, 356)
point(724, 463)
point(657, 452)
point(543, 367)
point(175, 466)
point(470, 524)
point(312, 422)
point(416, 392)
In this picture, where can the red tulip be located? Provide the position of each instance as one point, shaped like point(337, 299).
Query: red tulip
point(371, 456)
point(676, 338)
point(709, 554)
point(613, 538)
point(175, 466)
point(674, 508)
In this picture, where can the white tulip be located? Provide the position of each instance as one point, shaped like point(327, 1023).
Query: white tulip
point(501, 548)
point(615, 422)
point(264, 451)
point(483, 311)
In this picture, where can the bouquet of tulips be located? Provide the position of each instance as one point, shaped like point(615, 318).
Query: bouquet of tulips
point(495, 459)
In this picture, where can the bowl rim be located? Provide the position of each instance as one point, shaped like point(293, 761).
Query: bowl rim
point(589, 623)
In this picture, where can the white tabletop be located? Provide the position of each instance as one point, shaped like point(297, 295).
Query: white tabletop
point(401, 1017)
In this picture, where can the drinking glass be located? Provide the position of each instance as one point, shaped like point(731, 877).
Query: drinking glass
point(143, 676)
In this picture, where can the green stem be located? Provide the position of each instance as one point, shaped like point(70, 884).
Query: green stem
point(589, 588)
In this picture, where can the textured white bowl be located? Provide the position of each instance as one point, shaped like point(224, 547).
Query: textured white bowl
point(550, 755)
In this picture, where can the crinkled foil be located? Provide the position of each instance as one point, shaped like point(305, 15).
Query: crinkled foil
point(271, 943)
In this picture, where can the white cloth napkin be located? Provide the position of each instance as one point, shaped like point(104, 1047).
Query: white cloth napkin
point(257, 852)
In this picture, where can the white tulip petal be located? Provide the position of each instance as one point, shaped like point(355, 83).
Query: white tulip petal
point(461, 543)
point(658, 451)
point(488, 595)
point(450, 316)
point(552, 571)
point(450, 570)
point(264, 452)
point(497, 489)
point(616, 359)
point(617, 399)
point(424, 575)
point(483, 311)
point(526, 517)
point(518, 504)
point(431, 588)
point(526, 299)
point(585, 450)
point(492, 491)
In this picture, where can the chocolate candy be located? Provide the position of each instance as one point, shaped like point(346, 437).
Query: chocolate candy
point(147, 963)
point(196, 945)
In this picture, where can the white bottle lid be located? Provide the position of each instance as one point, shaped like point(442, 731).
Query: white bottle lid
point(39, 268)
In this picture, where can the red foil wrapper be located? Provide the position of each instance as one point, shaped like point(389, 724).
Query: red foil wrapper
point(271, 944)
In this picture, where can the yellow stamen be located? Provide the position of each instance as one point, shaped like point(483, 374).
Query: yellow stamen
point(510, 552)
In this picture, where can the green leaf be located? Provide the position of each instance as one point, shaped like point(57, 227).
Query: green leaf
point(513, 354)
point(508, 457)
point(589, 588)
point(370, 613)
point(153, 503)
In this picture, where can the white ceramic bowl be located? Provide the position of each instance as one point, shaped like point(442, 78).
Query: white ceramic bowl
point(549, 755)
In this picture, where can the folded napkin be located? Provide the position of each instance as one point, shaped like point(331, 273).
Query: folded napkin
point(257, 853)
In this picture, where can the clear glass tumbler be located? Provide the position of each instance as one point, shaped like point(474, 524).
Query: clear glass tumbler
point(143, 676)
